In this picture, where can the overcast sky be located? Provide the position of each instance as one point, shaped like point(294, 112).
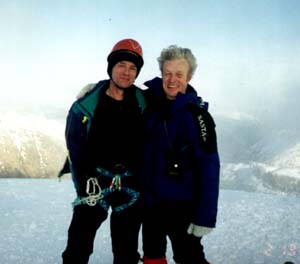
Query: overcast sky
point(248, 52)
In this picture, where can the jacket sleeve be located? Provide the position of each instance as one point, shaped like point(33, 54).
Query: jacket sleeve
point(207, 171)
point(76, 141)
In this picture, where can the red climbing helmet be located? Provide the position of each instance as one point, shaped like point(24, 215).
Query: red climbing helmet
point(126, 49)
point(127, 45)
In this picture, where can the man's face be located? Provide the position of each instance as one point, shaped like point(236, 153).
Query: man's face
point(175, 77)
point(124, 74)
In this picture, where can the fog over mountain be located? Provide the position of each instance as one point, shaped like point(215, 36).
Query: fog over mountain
point(256, 157)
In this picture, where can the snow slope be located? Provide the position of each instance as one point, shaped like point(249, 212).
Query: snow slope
point(253, 228)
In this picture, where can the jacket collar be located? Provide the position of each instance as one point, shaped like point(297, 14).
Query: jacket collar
point(156, 93)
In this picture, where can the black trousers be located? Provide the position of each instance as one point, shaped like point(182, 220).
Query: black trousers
point(171, 220)
point(86, 220)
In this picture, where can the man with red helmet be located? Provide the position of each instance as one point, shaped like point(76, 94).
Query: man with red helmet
point(103, 138)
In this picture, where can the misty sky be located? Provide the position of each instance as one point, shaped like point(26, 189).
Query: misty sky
point(248, 52)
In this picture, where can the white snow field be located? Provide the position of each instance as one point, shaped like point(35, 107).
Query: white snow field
point(252, 228)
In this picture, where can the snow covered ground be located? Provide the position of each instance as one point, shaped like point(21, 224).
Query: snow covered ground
point(252, 228)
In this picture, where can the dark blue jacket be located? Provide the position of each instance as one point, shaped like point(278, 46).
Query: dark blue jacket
point(181, 161)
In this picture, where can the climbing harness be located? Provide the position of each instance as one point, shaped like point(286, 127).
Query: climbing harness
point(116, 185)
point(98, 195)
